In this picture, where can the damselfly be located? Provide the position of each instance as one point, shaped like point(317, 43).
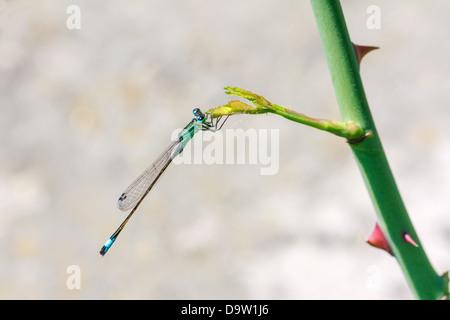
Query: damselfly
point(136, 192)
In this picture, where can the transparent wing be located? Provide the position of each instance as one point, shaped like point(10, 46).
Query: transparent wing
point(140, 187)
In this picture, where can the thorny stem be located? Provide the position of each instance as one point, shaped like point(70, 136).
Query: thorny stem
point(393, 218)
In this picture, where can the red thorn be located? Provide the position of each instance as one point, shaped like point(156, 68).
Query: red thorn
point(361, 51)
point(378, 240)
point(408, 239)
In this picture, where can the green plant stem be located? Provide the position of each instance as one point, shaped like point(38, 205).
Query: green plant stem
point(393, 218)
point(349, 130)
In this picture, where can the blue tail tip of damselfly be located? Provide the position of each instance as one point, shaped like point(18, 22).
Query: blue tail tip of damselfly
point(103, 250)
point(106, 246)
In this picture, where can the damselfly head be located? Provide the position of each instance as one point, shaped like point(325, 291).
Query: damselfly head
point(199, 116)
point(197, 112)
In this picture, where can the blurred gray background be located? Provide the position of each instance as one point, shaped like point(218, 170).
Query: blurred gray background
point(83, 112)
